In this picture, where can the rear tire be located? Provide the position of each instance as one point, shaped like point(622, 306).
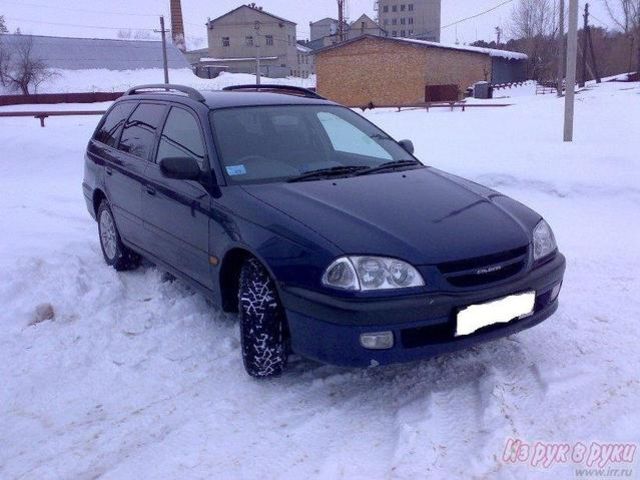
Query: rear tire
point(114, 251)
point(262, 322)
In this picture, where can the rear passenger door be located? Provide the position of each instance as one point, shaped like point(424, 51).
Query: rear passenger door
point(176, 212)
point(125, 169)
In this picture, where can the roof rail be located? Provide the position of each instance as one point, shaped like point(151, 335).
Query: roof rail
point(274, 88)
point(167, 87)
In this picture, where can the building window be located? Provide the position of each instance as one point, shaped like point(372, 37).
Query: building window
point(410, 7)
point(248, 41)
point(402, 8)
point(385, 9)
point(410, 33)
point(394, 34)
point(410, 20)
point(268, 39)
point(386, 21)
point(394, 21)
point(394, 8)
point(289, 39)
point(403, 21)
point(226, 42)
point(403, 33)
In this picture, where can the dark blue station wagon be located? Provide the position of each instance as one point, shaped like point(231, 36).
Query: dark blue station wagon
point(328, 237)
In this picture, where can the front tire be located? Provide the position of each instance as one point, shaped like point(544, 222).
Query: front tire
point(114, 251)
point(262, 322)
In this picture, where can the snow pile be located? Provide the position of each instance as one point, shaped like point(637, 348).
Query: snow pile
point(102, 80)
point(134, 376)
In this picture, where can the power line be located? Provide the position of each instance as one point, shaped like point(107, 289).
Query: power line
point(477, 14)
point(457, 22)
point(76, 25)
point(99, 12)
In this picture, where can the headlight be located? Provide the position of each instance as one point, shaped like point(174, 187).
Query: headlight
point(544, 243)
point(371, 273)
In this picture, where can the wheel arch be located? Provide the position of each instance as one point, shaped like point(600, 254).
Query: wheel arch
point(98, 196)
point(229, 276)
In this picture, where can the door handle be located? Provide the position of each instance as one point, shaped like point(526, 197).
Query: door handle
point(108, 170)
point(150, 190)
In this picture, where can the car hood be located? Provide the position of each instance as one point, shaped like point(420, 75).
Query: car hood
point(423, 216)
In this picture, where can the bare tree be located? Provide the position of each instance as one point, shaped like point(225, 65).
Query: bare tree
point(124, 33)
point(534, 23)
point(20, 70)
point(3, 25)
point(626, 15)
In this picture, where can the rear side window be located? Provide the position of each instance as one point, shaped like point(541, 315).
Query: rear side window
point(181, 137)
point(140, 130)
point(111, 127)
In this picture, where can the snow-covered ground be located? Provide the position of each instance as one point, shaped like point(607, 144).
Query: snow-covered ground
point(71, 81)
point(138, 377)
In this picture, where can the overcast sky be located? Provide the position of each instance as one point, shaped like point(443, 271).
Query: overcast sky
point(104, 18)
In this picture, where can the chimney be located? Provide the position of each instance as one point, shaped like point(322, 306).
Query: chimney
point(177, 27)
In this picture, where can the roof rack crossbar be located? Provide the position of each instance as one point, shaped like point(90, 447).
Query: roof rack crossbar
point(168, 87)
point(276, 88)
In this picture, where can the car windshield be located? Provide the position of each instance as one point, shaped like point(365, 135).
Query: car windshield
point(279, 143)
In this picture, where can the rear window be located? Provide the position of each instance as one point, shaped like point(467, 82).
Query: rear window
point(140, 130)
point(111, 127)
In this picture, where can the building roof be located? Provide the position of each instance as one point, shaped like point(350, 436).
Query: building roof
point(253, 9)
point(492, 52)
point(303, 48)
point(316, 44)
point(323, 20)
point(93, 53)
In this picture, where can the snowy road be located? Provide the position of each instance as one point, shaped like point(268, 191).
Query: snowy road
point(137, 377)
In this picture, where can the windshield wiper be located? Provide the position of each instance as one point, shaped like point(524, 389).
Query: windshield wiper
point(328, 173)
point(394, 165)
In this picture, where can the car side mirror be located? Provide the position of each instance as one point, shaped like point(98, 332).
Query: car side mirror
point(180, 168)
point(407, 145)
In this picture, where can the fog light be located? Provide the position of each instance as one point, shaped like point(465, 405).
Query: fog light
point(555, 292)
point(377, 340)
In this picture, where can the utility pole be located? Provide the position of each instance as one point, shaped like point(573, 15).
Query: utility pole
point(162, 31)
point(341, 20)
point(561, 51)
point(572, 57)
point(499, 35)
point(585, 32)
point(258, 74)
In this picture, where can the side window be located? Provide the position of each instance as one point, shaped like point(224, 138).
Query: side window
point(140, 130)
point(181, 137)
point(111, 127)
point(346, 137)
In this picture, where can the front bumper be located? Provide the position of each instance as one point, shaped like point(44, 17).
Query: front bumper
point(328, 329)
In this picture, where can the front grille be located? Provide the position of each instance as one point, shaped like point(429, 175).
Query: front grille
point(467, 273)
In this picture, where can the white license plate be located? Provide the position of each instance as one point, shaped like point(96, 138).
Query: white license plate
point(504, 310)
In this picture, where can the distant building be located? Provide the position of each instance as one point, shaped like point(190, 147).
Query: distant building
point(397, 71)
point(306, 62)
point(239, 36)
point(93, 53)
point(325, 32)
point(411, 18)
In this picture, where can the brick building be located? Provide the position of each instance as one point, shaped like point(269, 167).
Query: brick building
point(399, 71)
